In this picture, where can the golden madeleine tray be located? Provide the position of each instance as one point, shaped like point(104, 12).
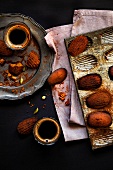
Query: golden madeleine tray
point(91, 59)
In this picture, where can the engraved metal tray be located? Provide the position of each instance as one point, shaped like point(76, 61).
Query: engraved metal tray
point(100, 47)
point(35, 77)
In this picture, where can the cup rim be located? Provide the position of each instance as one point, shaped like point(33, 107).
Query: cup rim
point(20, 26)
point(37, 135)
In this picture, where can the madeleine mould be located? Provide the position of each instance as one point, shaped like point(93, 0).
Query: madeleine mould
point(97, 58)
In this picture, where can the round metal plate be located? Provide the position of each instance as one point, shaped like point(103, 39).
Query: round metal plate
point(37, 76)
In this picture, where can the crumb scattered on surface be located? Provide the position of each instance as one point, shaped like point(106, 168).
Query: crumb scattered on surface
point(15, 91)
point(2, 61)
point(62, 95)
point(31, 104)
point(67, 103)
point(22, 90)
point(44, 106)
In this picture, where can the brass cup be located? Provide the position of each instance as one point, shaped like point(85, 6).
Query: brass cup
point(46, 141)
point(17, 35)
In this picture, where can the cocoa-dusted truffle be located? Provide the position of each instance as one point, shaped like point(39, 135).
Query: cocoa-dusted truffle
point(99, 99)
point(16, 68)
point(78, 45)
point(33, 60)
point(57, 76)
point(89, 82)
point(4, 50)
point(99, 119)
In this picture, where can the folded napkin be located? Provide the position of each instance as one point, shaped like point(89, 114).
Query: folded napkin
point(70, 115)
point(55, 39)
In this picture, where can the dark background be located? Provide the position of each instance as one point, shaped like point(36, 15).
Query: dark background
point(17, 153)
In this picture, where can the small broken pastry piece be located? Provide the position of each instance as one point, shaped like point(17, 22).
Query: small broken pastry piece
point(2, 61)
point(62, 95)
point(4, 50)
point(78, 45)
point(7, 75)
point(16, 68)
point(33, 60)
point(67, 102)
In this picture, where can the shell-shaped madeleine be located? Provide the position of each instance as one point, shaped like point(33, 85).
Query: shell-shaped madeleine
point(85, 62)
point(33, 60)
point(107, 36)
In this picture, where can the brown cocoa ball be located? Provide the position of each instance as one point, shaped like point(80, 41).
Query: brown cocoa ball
point(99, 119)
point(99, 99)
point(78, 45)
point(57, 77)
point(89, 82)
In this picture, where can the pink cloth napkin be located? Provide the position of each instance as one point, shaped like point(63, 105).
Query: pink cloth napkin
point(71, 116)
point(55, 39)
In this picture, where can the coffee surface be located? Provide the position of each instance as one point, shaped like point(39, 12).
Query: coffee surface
point(47, 130)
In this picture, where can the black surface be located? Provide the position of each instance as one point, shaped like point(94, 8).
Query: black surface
point(17, 153)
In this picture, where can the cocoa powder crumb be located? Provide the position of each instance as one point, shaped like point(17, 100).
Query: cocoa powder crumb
point(47, 94)
point(1, 84)
point(67, 88)
point(67, 103)
point(2, 61)
point(22, 90)
point(44, 106)
point(15, 91)
point(62, 95)
point(31, 104)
